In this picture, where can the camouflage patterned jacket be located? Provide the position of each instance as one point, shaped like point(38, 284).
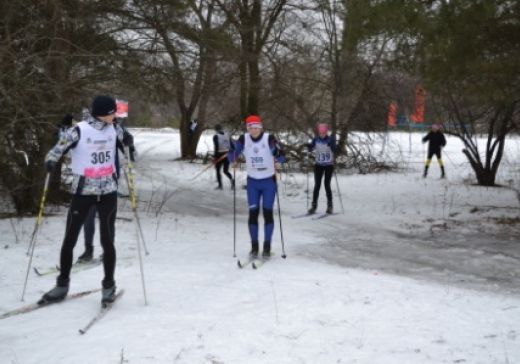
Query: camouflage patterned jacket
point(82, 185)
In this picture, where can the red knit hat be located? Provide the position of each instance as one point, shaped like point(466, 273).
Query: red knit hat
point(254, 121)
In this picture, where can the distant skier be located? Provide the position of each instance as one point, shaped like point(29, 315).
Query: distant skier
point(436, 141)
point(92, 144)
point(222, 144)
point(192, 129)
point(324, 147)
point(260, 150)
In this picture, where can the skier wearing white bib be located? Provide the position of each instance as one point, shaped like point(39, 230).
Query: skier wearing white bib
point(92, 144)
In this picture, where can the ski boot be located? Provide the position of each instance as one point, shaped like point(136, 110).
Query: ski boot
point(87, 255)
point(56, 294)
point(219, 187)
point(108, 295)
point(425, 172)
point(329, 209)
point(443, 174)
point(266, 253)
point(254, 249)
point(313, 208)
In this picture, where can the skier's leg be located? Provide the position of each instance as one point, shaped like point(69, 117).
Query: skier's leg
point(318, 174)
point(107, 209)
point(328, 178)
point(268, 196)
point(218, 166)
point(253, 200)
point(441, 164)
point(89, 228)
point(226, 171)
point(79, 208)
point(427, 163)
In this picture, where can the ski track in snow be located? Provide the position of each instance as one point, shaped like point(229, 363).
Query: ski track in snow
point(415, 271)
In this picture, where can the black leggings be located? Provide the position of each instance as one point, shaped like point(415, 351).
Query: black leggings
point(78, 211)
point(319, 171)
point(218, 166)
point(89, 228)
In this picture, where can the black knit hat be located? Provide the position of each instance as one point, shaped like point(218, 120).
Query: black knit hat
point(103, 105)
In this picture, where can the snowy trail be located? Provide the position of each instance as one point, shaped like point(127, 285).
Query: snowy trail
point(391, 295)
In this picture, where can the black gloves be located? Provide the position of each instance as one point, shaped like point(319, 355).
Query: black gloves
point(50, 166)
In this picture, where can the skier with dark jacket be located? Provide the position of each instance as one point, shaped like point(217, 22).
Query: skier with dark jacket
point(92, 144)
point(222, 145)
point(260, 150)
point(436, 141)
point(324, 147)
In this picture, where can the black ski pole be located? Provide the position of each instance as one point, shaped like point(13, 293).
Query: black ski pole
point(133, 200)
point(32, 244)
point(280, 219)
point(307, 170)
point(339, 193)
point(234, 210)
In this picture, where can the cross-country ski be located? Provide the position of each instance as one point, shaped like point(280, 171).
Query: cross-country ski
point(105, 307)
point(36, 306)
point(76, 267)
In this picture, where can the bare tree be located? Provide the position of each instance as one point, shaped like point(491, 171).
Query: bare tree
point(255, 21)
point(182, 38)
point(51, 55)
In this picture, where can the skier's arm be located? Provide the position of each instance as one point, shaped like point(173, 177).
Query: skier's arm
point(443, 141)
point(332, 144)
point(426, 138)
point(68, 140)
point(215, 144)
point(236, 149)
point(276, 149)
point(310, 146)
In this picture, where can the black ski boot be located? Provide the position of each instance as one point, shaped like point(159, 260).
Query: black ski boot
point(329, 210)
point(313, 208)
point(219, 187)
point(254, 249)
point(108, 295)
point(87, 255)
point(443, 174)
point(266, 253)
point(425, 172)
point(56, 294)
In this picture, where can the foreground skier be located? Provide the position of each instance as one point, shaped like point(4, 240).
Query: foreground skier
point(92, 145)
point(260, 150)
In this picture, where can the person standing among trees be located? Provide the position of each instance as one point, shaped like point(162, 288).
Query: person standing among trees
point(436, 141)
point(324, 147)
point(222, 144)
point(92, 144)
point(260, 150)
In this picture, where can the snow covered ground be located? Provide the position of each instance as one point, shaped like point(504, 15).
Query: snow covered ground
point(414, 271)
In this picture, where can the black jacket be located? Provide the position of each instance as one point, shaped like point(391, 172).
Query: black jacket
point(436, 140)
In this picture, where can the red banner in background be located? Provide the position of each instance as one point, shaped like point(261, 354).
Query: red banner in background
point(392, 114)
point(122, 109)
point(418, 110)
